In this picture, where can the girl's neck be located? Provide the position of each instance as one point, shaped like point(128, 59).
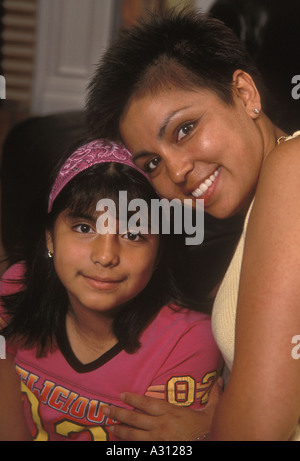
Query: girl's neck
point(89, 334)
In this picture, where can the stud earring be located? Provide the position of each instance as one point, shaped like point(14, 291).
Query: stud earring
point(256, 111)
point(50, 254)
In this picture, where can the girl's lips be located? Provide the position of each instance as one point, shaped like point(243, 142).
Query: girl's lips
point(102, 283)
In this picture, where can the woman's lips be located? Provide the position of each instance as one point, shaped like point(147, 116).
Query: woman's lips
point(205, 186)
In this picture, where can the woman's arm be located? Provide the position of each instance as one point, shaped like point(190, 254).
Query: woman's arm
point(185, 379)
point(12, 419)
point(262, 400)
point(156, 420)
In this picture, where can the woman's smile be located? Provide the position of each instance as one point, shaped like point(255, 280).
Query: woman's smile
point(205, 187)
point(182, 140)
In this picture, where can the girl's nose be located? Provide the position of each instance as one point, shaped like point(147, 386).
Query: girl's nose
point(105, 250)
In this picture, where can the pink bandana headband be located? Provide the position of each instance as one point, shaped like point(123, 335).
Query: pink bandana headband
point(93, 153)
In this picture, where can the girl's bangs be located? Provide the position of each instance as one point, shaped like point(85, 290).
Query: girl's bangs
point(104, 181)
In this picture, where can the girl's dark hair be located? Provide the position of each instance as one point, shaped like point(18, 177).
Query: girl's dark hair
point(37, 313)
point(187, 49)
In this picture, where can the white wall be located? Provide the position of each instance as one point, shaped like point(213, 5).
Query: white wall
point(71, 36)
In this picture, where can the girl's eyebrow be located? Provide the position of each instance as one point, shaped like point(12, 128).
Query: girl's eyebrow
point(85, 216)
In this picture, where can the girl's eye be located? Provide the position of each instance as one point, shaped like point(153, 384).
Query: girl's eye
point(184, 131)
point(151, 165)
point(133, 236)
point(83, 229)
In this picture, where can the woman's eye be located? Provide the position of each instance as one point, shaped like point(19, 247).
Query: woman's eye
point(83, 229)
point(151, 165)
point(184, 131)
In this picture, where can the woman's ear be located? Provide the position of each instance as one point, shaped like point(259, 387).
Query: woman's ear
point(245, 89)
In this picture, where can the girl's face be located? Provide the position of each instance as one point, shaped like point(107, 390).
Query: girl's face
point(192, 143)
point(100, 272)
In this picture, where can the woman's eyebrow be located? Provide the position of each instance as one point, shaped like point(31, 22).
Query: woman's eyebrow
point(161, 133)
point(167, 120)
point(142, 153)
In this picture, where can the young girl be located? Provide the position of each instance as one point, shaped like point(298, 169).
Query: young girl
point(89, 314)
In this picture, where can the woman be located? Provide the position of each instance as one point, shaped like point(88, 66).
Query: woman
point(190, 106)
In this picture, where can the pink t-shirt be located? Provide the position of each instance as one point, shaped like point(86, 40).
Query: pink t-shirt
point(178, 361)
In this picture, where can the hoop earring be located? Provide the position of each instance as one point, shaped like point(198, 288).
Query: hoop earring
point(50, 254)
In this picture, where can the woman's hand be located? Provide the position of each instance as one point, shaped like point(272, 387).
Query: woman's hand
point(156, 420)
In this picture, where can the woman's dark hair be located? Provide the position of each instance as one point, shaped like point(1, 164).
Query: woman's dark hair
point(37, 313)
point(187, 49)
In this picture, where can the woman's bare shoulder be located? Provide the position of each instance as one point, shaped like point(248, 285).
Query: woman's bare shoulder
point(279, 179)
point(287, 150)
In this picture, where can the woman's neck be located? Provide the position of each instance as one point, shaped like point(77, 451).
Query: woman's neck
point(270, 134)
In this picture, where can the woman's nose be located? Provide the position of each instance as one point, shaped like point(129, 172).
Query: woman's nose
point(178, 167)
point(105, 250)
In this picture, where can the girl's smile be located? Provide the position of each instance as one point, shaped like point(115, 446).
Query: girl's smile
point(103, 283)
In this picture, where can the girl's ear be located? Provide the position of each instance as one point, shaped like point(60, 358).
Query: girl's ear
point(245, 89)
point(49, 241)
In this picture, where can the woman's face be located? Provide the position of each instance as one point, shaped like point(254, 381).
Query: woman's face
point(195, 146)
